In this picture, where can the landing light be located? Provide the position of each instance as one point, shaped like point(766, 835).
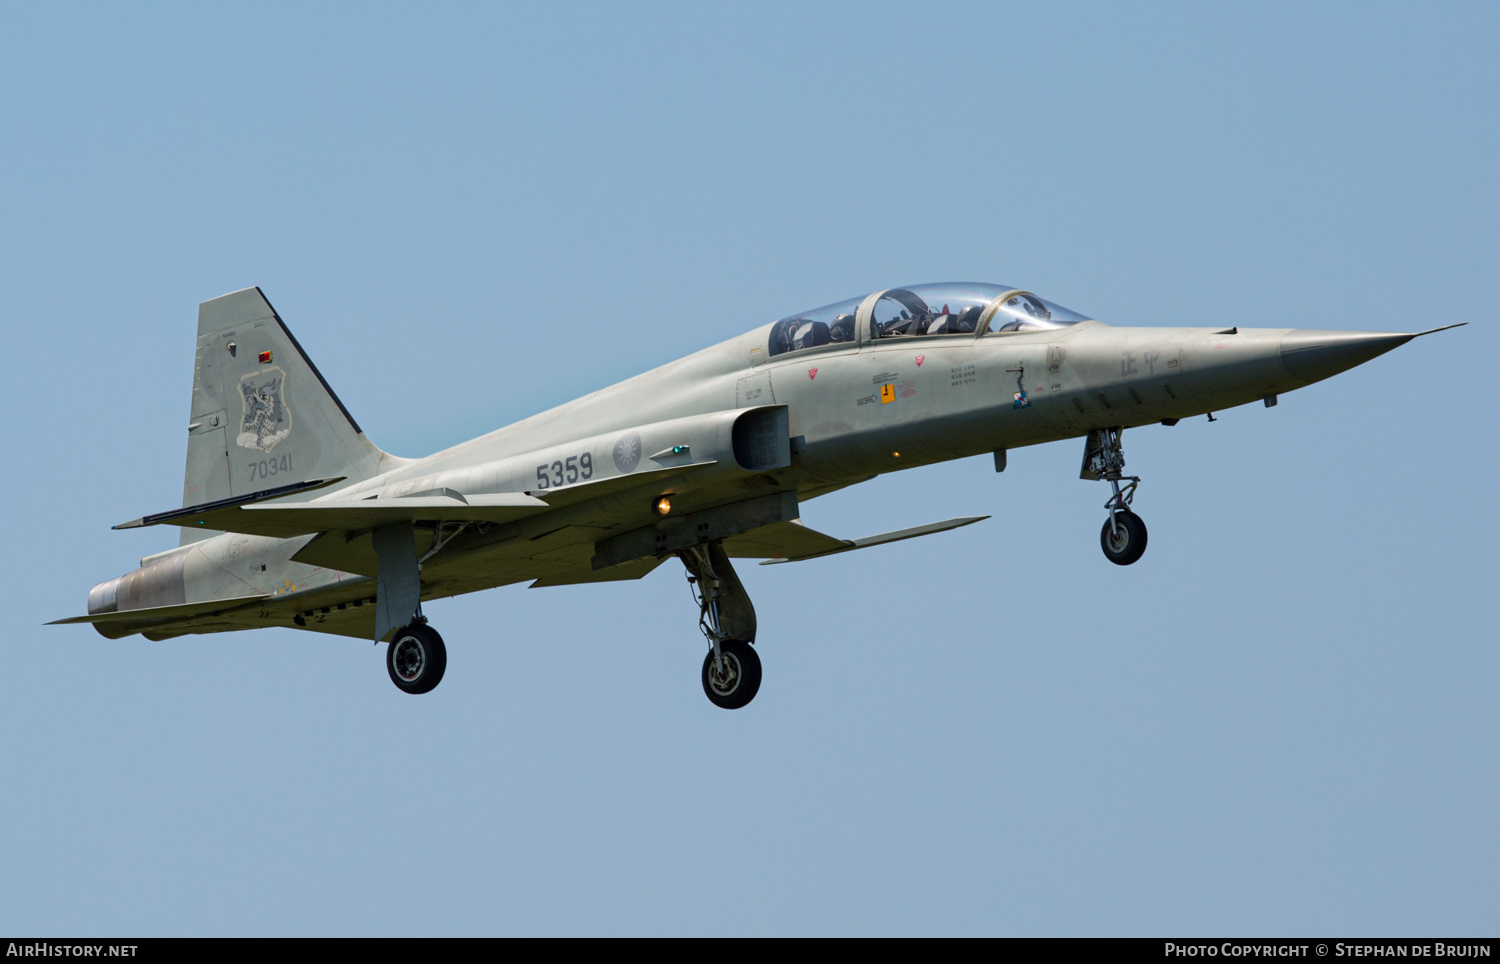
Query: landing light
point(663, 505)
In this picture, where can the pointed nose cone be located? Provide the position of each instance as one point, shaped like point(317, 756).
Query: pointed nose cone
point(1311, 356)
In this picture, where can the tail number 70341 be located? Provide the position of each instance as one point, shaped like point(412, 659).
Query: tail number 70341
point(266, 468)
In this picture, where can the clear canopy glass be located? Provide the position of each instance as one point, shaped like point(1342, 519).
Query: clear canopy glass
point(932, 309)
point(827, 325)
point(951, 308)
point(1027, 312)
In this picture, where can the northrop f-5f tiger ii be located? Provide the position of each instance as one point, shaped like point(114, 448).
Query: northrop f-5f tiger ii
point(292, 517)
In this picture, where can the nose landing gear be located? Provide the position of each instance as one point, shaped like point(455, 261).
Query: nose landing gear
point(731, 669)
point(1123, 537)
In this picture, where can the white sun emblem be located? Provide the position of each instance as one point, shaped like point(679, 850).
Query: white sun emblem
point(628, 452)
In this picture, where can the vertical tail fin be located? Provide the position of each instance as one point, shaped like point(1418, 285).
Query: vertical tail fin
point(262, 414)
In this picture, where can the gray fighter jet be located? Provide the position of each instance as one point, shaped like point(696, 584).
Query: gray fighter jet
point(292, 517)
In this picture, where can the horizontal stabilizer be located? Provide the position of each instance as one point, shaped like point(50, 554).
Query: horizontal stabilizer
point(198, 511)
point(162, 615)
point(286, 519)
point(794, 542)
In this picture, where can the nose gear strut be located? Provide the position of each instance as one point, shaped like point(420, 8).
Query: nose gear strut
point(1123, 538)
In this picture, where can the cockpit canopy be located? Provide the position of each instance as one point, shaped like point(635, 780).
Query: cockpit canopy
point(954, 308)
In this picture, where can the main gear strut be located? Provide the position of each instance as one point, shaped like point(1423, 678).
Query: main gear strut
point(731, 670)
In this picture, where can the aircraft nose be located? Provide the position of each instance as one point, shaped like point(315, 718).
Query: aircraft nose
point(1310, 355)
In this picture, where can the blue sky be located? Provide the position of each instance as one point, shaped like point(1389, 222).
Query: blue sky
point(1280, 721)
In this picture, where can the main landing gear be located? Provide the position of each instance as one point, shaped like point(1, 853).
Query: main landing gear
point(731, 670)
point(1123, 537)
point(416, 658)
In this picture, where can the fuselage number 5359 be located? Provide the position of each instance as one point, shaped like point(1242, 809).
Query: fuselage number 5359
point(565, 471)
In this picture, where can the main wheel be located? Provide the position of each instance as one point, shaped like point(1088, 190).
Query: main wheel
point(736, 684)
point(1126, 546)
point(416, 659)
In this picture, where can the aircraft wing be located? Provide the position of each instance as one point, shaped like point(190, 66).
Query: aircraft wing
point(348, 609)
point(794, 542)
point(783, 540)
point(583, 491)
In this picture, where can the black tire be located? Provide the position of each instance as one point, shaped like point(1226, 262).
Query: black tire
point(1131, 542)
point(416, 659)
point(742, 672)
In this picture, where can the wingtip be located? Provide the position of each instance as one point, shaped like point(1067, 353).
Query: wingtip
point(1433, 331)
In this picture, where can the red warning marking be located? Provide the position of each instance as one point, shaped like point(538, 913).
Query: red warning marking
point(812, 373)
point(920, 360)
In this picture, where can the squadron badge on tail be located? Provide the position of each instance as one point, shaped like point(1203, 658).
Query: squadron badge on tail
point(266, 419)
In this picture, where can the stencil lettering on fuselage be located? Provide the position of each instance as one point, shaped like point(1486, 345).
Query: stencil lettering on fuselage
point(266, 419)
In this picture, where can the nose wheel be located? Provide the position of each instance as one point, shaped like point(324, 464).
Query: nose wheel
point(1123, 537)
point(416, 659)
